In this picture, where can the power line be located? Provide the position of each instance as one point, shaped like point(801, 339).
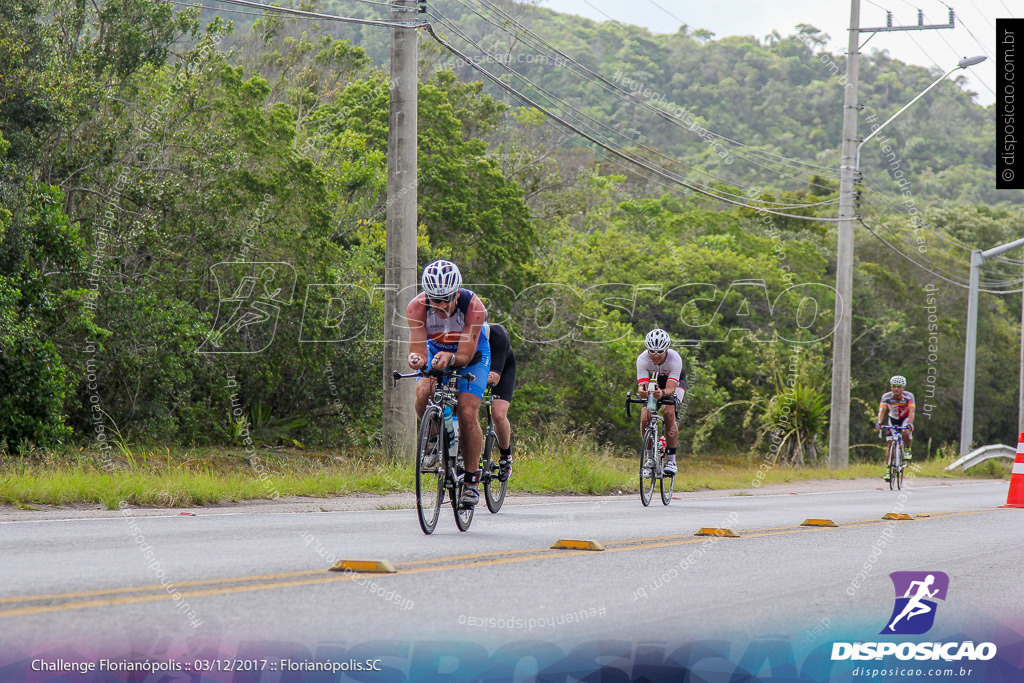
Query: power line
point(720, 193)
point(929, 270)
point(616, 88)
point(619, 153)
point(318, 15)
point(632, 97)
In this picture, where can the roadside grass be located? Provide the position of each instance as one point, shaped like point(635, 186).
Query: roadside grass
point(553, 462)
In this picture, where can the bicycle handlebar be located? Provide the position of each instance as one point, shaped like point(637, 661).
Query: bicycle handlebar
point(434, 372)
point(663, 401)
point(894, 427)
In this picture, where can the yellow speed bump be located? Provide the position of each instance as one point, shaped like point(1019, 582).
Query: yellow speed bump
point(571, 544)
point(714, 531)
point(922, 514)
point(896, 515)
point(364, 566)
point(818, 522)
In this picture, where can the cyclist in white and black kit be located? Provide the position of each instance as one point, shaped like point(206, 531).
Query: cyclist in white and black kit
point(502, 378)
point(666, 365)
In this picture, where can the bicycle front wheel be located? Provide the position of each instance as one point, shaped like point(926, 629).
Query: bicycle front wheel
point(429, 472)
point(898, 475)
point(648, 452)
point(666, 482)
point(463, 516)
point(893, 469)
point(494, 488)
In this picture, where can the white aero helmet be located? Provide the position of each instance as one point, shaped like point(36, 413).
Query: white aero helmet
point(441, 280)
point(898, 381)
point(657, 340)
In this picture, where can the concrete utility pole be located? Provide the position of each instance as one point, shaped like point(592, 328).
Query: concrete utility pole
point(399, 433)
point(839, 421)
point(849, 172)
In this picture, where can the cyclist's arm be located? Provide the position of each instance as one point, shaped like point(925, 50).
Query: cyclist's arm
point(670, 388)
point(881, 412)
point(642, 376)
point(476, 316)
point(910, 415)
point(416, 315)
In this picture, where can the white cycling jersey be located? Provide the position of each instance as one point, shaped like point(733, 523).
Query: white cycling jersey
point(672, 368)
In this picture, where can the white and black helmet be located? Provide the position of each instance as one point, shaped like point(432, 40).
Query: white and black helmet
point(657, 340)
point(441, 280)
point(898, 381)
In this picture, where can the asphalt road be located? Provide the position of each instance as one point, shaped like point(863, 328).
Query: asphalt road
point(262, 577)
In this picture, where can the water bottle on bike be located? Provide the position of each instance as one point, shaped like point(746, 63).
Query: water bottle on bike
point(451, 428)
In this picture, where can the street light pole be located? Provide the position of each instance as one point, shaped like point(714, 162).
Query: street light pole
point(978, 259)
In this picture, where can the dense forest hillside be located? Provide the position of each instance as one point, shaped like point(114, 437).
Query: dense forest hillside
point(780, 94)
point(192, 225)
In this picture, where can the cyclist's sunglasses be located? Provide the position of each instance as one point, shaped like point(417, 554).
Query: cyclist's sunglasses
point(441, 300)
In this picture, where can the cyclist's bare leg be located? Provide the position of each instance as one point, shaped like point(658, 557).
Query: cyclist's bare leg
point(502, 427)
point(424, 387)
point(645, 417)
point(671, 427)
point(471, 437)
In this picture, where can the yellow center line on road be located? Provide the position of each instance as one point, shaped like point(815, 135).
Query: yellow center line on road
point(156, 587)
point(271, 581)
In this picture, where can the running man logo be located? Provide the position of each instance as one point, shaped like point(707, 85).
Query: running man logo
point(914, 611)
point(250, 296)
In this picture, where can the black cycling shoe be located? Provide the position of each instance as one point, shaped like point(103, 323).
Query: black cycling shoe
point(504, 469)
point(470, 497)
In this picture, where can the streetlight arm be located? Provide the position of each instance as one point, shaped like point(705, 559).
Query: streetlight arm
point(996, 251)
point(903, 109)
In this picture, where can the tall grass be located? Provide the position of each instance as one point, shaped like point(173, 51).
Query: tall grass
point(552, 461)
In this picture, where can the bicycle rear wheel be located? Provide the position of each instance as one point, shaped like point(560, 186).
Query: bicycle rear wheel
point(429, 472)
point(494, 488)
point(648, 452)
point(666, 482)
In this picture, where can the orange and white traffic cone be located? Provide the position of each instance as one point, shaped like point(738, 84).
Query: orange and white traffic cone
point(1015, 498)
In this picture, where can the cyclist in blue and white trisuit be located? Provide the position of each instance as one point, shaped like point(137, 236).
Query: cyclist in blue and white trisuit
point(666, 366)
point(445, 324)
point(898, 403)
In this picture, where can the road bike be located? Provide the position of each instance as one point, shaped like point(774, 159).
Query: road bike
point(439, 468)
point(896, 455)
point(652, 449)
point(494, 487)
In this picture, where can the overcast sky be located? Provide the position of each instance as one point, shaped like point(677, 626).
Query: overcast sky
point(942, 48)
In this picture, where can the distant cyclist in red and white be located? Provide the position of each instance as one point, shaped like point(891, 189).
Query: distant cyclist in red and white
point(666, 366)
point(899, 404)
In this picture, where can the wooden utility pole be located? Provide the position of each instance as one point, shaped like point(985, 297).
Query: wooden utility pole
point(399, 434)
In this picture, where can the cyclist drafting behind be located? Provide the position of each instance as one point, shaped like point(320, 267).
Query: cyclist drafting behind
point(445, 324)
point(659, 361)
point(899, 403)
point(503, 378)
